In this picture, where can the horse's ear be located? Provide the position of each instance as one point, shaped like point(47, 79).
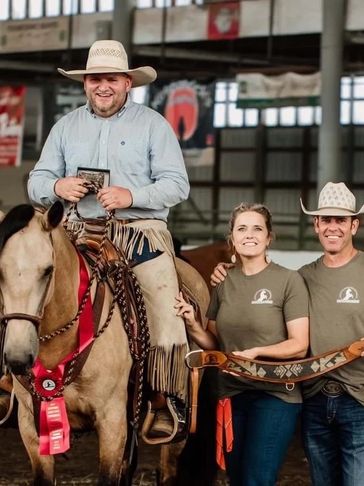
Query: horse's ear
point(53, 216)
point(2, 216)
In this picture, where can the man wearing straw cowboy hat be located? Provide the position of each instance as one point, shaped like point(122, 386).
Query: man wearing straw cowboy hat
point(333, 409)
point(333, 406)
point(136, 154)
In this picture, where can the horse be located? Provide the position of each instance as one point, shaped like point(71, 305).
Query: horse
point(205, 258)
point(40, 287)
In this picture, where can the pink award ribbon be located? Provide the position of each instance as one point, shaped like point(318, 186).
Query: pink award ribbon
point(54, 427)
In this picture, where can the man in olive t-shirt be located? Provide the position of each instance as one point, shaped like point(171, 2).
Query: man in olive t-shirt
point(333, 408)
point(333, 405)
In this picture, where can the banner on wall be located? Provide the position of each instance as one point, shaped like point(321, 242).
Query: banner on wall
point(12, 108)
point(223, 20)
point(188, 106)
point(290, 89)
point(12, 101)
point(34, 35)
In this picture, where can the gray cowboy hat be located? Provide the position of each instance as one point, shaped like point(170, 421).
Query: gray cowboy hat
point(335, 200)
point(109, 56)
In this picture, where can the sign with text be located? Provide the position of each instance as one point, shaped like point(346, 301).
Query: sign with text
point(34, 35)
point(12, 101)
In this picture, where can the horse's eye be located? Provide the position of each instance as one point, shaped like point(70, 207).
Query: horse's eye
point(48, 271)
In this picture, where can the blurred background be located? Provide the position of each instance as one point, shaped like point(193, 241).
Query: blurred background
point(265, 96)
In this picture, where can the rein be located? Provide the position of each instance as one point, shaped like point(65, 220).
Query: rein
point(126, 293)
point(94, 269)
point(47, 386)
point(36, 320)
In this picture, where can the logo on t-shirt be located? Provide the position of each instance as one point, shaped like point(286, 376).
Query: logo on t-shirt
point(348, 295)
point(262, 296)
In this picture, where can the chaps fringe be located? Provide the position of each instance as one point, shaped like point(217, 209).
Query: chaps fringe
point(167, 371)
point(127, 237)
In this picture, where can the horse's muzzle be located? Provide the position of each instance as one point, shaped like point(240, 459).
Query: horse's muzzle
point(19, 367)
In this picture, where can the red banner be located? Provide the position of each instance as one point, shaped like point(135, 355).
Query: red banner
point(223, 20)
point(12, 101)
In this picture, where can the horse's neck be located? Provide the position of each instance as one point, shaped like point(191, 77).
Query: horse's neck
point(63, 304)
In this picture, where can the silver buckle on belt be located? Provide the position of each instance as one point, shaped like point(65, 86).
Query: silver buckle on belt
point(332, 389)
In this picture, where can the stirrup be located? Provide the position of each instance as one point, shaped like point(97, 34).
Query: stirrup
point(164, 425)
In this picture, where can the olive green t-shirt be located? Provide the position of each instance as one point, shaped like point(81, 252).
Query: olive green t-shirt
point(336, 303)
point(252, 310)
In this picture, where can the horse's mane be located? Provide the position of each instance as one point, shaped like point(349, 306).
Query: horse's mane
point(15, 220)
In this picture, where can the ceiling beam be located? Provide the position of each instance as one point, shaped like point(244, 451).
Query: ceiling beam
point(27, 66)
point(224, 58)
point(195, 55)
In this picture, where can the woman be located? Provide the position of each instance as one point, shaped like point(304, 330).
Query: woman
point(260, 311)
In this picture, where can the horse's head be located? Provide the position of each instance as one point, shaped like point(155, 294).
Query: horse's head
point(26, 279)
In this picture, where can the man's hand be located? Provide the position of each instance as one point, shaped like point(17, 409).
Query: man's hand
point(71, 188)
point(115, 197)
point(219, 273)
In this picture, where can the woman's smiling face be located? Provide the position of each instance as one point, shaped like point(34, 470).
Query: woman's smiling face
point(250, 235)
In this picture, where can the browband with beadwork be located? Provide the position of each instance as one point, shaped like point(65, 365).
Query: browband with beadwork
point(284, 372)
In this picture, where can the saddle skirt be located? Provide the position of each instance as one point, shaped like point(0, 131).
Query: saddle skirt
point(195, 291)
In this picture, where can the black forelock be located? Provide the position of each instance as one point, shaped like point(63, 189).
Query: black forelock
point(15, 220)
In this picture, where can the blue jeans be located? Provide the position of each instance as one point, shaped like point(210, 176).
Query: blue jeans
point(263, 428)
point(333, 434)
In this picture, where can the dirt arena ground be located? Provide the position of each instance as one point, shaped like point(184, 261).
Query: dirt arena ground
point(80, 465)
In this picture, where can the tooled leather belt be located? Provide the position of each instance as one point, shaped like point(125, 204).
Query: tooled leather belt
point(284, 372)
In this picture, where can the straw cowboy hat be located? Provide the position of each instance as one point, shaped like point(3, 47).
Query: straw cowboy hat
point(109, 56)
point(335, 200)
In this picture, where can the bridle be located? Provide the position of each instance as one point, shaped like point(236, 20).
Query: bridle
point(21, 316)
point(36, 319)
point(125, 281)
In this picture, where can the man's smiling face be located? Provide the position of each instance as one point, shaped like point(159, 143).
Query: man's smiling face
point(107, 92)
point(336, 232)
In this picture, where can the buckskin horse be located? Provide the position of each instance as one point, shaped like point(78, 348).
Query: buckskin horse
point(47, 299)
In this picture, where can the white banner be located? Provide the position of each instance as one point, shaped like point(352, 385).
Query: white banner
point(289, 89)
point(34, 35)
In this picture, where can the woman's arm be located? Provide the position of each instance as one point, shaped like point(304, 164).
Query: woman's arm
point(295, 346)
point(206, 338)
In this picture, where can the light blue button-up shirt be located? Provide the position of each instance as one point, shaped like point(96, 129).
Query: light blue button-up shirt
point(136, 144)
